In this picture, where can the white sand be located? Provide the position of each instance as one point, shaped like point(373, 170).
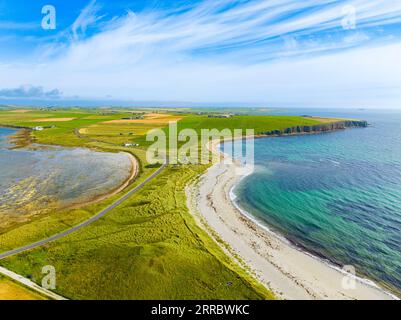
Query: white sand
point(288, 272)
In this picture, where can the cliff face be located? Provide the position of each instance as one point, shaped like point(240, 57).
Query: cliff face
point(324, 127)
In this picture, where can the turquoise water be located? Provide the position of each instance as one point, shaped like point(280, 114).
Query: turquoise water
point(336, 195)
point(36, 180)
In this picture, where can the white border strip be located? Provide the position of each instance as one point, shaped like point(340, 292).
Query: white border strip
point(28, 283)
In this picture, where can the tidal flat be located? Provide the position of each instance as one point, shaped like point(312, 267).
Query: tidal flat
point(37, 180)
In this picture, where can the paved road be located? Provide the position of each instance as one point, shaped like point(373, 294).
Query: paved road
point(85, 223)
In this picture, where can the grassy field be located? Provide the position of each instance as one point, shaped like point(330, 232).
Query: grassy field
point(10, 290)
point(258, 123)
point(147, 248)
point(64, 132)
point(127, 131)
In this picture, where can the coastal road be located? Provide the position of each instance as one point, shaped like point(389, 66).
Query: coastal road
point(85, 223)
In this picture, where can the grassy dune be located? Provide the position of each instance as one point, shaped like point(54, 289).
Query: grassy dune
point(147, 248)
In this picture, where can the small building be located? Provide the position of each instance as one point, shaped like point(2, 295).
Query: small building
point(221, 116)
point(134, 117)
point(131, 145)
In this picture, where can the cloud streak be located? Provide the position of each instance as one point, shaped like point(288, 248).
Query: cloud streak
point(257, 50)
point(234, 28)
point(88, 16)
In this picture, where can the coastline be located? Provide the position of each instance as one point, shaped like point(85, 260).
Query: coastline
point(125, 184)
point(22, 139)
point(284, 269)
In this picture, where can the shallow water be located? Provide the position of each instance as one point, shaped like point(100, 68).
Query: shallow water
point(336, 195)
point(35, 181)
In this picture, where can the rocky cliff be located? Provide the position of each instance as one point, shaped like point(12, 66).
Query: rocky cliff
point(324, 127)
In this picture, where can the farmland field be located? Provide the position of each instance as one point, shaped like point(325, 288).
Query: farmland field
point(9, 290)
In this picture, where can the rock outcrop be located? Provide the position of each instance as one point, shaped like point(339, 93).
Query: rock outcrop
point(324, 127)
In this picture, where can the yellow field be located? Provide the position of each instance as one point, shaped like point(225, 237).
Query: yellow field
point(116, 132)
point(326, 120)
point(21, 111)
point(150, 118)
point(12, 291)
point(122, 131)
point(54, 119)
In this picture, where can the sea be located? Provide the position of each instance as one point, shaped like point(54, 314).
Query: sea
point(335, 195)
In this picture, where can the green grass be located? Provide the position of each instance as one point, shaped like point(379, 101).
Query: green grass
point(260, 123)
point(148, 248)
point(63, 133)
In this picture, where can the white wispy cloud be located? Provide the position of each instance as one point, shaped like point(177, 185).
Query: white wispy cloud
point(237, 30)
point(88, 16)
point(259, 50)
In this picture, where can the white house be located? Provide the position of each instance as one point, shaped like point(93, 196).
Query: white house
point(131, 145)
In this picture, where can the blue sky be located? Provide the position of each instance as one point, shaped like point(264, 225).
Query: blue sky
point(315, 53)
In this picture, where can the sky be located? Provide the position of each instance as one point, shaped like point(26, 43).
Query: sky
point(310, 53)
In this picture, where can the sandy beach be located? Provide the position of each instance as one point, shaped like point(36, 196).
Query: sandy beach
point(287, 271)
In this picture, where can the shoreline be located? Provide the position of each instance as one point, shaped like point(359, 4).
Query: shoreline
point(290, 273)
point(125, 184)
point(21, 139)
point(323, 260)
